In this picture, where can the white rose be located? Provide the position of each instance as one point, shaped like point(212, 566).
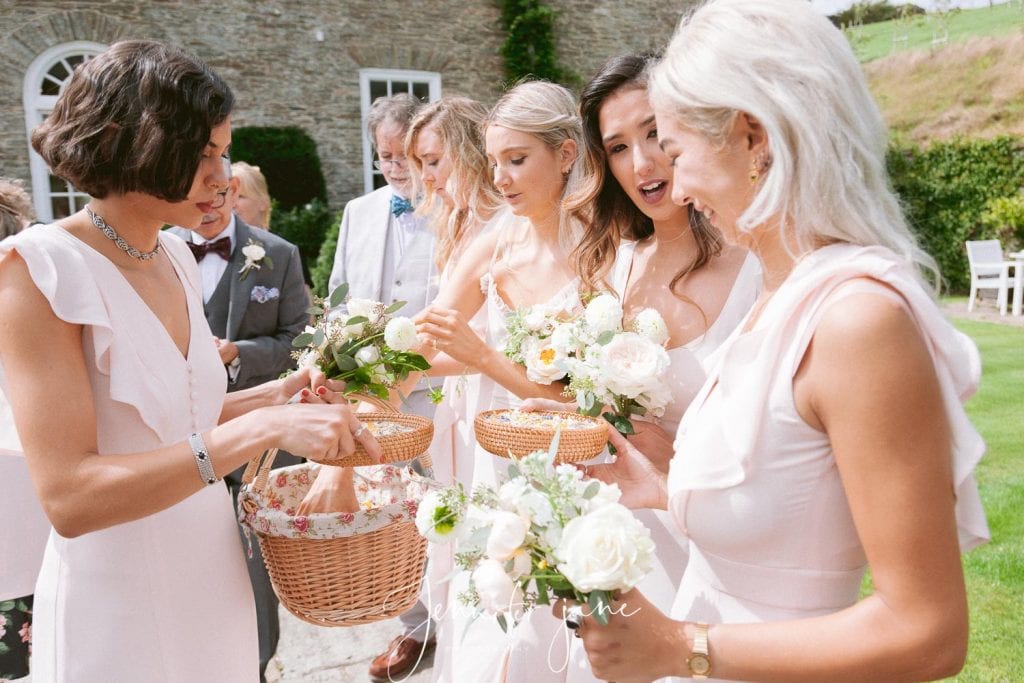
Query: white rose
point(604, 314)
point(563, 338)
point(367, 308)
point(253, 252)
point(631, 364)
point(607, 494)
point(498, 592)
point(435, 521)
point(655, 399)
point(607, 549)
point(400, 334)
point(650, 324)
point(543, 361)
point(533, 319)
point(511, 492)
point(508, 531)
point(367, 355)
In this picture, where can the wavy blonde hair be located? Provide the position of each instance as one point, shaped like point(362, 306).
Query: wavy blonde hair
point(458, 122)
point(784, 63)
point(548, 112)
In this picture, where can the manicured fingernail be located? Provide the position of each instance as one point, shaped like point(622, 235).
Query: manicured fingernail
point(321, 391)
point(305, 393)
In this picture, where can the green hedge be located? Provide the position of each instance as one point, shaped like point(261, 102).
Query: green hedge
point(306, 227)
point(321, 271)
point(288, 159)
point(948, 190)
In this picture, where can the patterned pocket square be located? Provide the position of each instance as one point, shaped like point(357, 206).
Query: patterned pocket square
point(262, 295)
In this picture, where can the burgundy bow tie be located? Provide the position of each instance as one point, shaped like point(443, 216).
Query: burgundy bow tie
point(221, 247)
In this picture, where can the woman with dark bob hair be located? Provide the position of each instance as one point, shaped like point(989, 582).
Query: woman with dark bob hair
point(118, 394)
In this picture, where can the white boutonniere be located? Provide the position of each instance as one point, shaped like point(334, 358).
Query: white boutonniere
point(255, 258)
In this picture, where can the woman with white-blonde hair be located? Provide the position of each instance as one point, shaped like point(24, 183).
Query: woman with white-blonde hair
point(253, 204)
point(830, 435)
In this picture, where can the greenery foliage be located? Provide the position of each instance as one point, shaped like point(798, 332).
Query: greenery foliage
point(305, 227)
point(288, 159)
point(529, 49)
point(1004, 219)
point(948, 188)
point(873, 12)
point(320, 273)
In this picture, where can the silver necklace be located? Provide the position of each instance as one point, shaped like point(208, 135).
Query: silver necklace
point(111, 235)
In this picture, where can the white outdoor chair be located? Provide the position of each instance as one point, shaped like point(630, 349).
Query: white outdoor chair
point(989, 271)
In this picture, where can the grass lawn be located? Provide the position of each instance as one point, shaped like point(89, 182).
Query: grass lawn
point(872, 41)
point(995, 572)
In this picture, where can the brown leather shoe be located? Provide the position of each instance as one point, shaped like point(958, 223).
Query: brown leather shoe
point(402, 655)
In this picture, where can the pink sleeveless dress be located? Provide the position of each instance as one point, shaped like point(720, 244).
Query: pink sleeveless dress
point(756, 491)
point(166, 597)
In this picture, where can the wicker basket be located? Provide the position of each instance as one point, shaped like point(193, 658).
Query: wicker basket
point(344, 581)
point(574, 445)
point(394, 448)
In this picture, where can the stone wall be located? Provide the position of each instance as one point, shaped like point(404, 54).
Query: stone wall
point(283, 75)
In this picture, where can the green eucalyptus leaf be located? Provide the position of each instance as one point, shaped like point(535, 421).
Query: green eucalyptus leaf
point(315, 310)
point(357, 320)
point(502, 623)
point(339, 294)
point(395, 307)
point(606, 337)
point(344, 361)
point(318, 337)
point(303, 340)
point(592, 490)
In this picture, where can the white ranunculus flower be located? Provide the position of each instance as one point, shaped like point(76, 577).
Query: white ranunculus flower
point(604, 314)
point(367, 355)
point(543, 361)
point(435, 521)
point(253, 252)
point(650, 324)
point(607, 549)
point(367, 308)
point(631, 364)
point(508, 531)
point(563, 338)
point(498, 593)
point(400, 334)
point(511, 492)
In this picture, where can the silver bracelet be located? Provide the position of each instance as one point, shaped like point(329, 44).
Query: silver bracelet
point(202, 456)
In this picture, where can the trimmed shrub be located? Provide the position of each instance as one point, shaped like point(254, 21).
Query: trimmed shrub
point(321, 271)
point(529, 49)
point(1004, 220)
point(288, 159)
point(946, 189)
point(305, 227)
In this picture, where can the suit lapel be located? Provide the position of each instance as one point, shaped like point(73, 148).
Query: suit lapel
point(238, 300)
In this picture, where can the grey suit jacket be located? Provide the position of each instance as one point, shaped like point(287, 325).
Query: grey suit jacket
point(262, 323)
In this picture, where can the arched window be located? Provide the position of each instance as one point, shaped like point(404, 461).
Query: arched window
point(45, 79)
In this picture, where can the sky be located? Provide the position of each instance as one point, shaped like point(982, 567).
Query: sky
point(833, 6)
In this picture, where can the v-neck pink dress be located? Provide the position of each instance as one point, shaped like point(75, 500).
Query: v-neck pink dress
point(165, 597)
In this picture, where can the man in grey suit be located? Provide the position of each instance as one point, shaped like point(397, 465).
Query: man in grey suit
point(256, 304)
point(385, 253)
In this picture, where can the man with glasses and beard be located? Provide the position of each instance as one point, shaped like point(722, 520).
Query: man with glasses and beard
point(255, 301)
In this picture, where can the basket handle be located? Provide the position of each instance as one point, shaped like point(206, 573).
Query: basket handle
point(374, 401)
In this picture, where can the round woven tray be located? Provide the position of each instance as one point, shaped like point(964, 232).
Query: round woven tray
point(394, 448)
point(345, 581)
point(574, 445)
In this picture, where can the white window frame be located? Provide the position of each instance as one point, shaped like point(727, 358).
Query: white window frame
point(37, 106)
point(431, 78)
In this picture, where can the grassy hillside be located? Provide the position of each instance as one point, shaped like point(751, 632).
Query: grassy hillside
point(972, 84)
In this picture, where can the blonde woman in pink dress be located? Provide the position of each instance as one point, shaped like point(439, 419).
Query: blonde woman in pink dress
point(118, 394)
point(830, 434)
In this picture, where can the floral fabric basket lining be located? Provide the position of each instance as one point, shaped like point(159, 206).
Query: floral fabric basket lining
point(387, 493)
point(338, 569)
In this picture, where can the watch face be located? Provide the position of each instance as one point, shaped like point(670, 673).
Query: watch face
point(699, 664)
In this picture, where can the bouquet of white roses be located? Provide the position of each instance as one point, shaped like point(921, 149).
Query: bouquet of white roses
point(538, 339)
point(368, 347)
point(619, 365)
point(544, 533)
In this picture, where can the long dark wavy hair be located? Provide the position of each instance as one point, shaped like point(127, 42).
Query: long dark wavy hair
point(601, 205)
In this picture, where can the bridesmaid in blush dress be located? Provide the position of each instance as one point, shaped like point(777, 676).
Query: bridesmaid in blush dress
point(830, 434)
point(118, 394)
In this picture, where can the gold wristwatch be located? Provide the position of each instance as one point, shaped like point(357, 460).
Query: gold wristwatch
point(699, 662)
